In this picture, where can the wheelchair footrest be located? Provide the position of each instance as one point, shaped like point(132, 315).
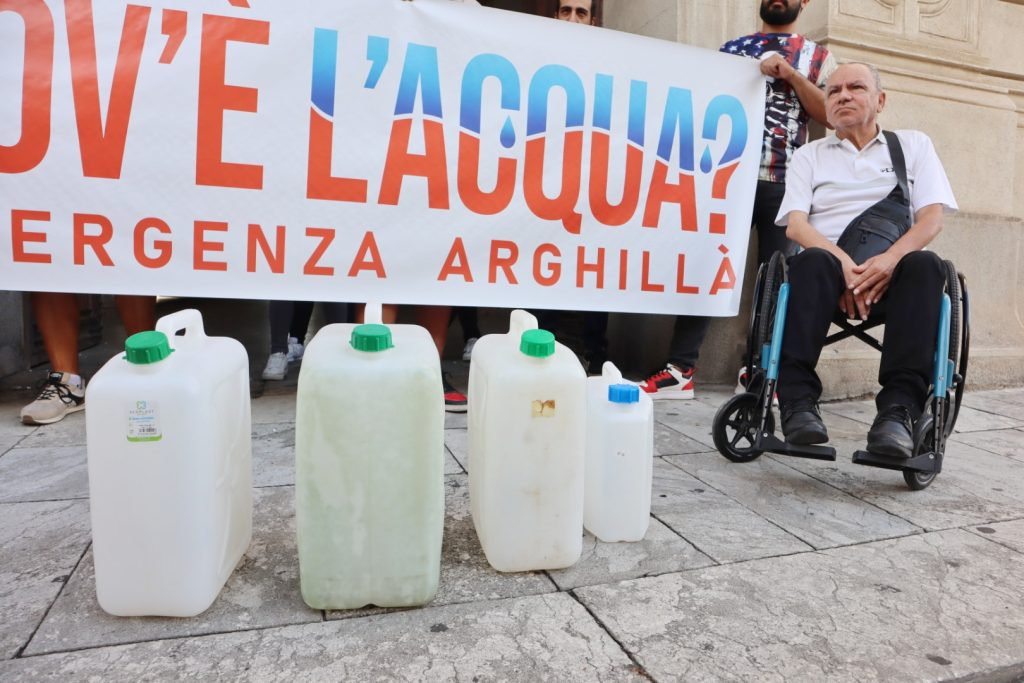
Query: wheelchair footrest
point(773, 444)
point(925, 462)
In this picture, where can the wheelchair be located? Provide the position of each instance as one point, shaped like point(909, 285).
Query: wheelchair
point(744, 426)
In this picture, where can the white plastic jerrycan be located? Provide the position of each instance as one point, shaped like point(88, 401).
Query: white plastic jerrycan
point(526, 439)
point(369, 466)
point(620, 453)
point(169, 439)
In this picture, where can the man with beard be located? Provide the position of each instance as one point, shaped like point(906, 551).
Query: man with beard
point(797, 69)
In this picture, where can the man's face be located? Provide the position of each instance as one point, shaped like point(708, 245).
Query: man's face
point(780, 12)
point(576, 11)
point(851, 98)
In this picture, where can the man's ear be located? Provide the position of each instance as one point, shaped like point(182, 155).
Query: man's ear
point(881, 101)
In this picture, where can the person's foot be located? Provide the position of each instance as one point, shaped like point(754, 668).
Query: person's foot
point(802, 425)
point(295, 350)
point(892, 433)
point(454, 401)
point(60, 396)
point(277, 366)
point(670, 382)
point(467, 350)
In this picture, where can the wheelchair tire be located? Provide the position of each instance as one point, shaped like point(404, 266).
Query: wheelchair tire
point(771, 275)
point(923, 442)
point(953, 290)
point(737, 421)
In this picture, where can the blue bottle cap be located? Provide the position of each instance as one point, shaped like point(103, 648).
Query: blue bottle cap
point(623, 393)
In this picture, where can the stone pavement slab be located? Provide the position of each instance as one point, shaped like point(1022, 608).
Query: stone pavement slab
point(991, 402)
point(40, 545)
point(273, 407)
point(975, 486)
point(812, 511)
point(715, 524)
point(38, 474)
point(541, 638)
point(924, 608)
point(1008, 442)
point(1010, 534)
point(691, 418)
point(68, 432)
point(273, 454)
point(263, 591)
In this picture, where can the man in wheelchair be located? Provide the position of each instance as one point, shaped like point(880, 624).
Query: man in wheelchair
point(834, 183)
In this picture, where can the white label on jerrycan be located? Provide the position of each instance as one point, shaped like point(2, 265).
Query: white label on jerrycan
point(144, 422)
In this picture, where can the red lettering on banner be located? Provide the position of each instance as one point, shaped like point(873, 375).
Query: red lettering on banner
point(216, 97)
point(681, 286)
point(19, 236)
point(102, 142)
point(562, 207)
point(473, 198)
point(163, 247)
point(623, 268)
point(312, 266)
point(725, 278)
point(645, 275)
point(505, 262)
point(320, 184)
point(661, 192)
point(456, 263)
point(582, 267)
point(721, 182)
point(273, 257)
point(554, 267)
point(367, 258)
point(37, 75)
point(432, 164)
point(200, 245)
point(604, 211)
point(95, 242)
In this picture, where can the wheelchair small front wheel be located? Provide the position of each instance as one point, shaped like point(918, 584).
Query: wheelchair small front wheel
point(924, 442)
point(735, 428)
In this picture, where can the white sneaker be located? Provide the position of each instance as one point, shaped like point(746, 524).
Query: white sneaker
point(670, 382)
point(295, 349)
point(467, 351)
point(59, 397)
point(277, 366)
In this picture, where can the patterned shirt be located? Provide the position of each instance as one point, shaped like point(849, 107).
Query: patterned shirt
point(785, 119)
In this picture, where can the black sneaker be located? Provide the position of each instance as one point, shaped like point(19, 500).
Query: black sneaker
point(454, 401)
point(892, 433)
point(802, 425)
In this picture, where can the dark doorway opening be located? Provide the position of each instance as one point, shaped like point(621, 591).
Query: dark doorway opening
point(539, 7)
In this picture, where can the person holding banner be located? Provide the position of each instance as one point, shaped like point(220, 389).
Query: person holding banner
point(831, 183)
point(797, 69)
point(57, 317)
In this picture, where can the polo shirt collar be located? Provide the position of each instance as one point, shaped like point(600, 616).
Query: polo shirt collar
point(837, 141)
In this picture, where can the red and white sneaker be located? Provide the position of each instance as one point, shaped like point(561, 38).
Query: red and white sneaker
point(454, 401)
point(670, 382)
point(741, 386)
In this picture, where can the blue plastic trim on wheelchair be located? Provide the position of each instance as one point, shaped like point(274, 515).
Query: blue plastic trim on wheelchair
point(744, 426)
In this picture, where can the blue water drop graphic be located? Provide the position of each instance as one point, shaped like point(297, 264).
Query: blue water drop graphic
point(508, 134)
point(705, 160)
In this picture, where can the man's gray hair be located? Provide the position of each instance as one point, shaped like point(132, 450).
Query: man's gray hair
point(872, 69)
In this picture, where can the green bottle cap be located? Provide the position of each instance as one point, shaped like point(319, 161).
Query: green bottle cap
point(371, 338)
point(537, 343)
point(147, 347)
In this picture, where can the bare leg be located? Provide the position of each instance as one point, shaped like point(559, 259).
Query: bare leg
point(435, 319)
point(138, 313)
point(389, 313)
point(57, 318)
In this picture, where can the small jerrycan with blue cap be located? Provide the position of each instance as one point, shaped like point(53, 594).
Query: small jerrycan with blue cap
point(369, 466)
point(527, 424)
point(620, 453)
point(169, 440)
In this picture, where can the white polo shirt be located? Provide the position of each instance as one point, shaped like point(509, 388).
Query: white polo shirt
point(834, 182)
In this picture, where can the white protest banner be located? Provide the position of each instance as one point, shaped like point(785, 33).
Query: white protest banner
point(412, 152)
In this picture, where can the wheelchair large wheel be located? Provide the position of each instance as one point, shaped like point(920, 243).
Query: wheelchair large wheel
point(736, 425)
point(924, 442)
point(770, 277)
point(959, 340)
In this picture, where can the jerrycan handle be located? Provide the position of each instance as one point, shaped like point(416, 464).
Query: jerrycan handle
point(189, 320)
point(373, 313)
point(520, 322)
point(610, 374)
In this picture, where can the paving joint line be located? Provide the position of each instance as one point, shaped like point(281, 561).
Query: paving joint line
point(63, 585)
point(640, 668)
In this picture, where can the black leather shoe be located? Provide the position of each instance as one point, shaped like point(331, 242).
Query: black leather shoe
point(892, 433)
point(802, 425)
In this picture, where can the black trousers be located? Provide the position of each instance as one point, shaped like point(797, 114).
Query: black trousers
point(689, 331)
point(910, 309)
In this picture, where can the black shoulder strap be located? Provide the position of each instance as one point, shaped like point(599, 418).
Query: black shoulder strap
point(899, 163)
